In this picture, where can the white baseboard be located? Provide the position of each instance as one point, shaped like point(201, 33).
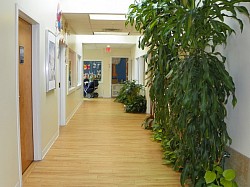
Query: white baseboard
point(107, 97)
point(18, 184)
point(73, 112)
point(51, 142)
point(55, 136)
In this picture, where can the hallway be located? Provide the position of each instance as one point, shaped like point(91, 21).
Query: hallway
point(102, 147)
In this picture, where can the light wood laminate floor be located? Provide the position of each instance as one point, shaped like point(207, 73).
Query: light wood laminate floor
point(102, 146)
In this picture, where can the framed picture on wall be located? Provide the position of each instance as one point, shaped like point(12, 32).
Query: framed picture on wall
point(50, 61)
point(67, 78)
point(70, 75)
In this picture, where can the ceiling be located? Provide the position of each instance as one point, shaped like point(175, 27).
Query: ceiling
point(81, 24)
point(103, 46)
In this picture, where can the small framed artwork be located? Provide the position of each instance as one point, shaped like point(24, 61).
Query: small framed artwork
point(70, 75)
point(50, 63)
point(67, 79)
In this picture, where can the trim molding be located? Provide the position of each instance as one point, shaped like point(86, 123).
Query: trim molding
point(21, 12)
point(17, 99)
point(49, 145)
point(18, 184)
point(62, 88)
point(36, 92)
point(73, 112)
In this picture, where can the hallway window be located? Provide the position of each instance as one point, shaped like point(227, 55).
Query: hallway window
point(72, 70)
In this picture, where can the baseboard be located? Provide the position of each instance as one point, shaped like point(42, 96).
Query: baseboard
point(73, 112)
point(51, 142)
point(241, 164)
point(55, 136)
point(18, 184)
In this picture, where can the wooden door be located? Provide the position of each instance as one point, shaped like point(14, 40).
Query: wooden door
point(25, 93)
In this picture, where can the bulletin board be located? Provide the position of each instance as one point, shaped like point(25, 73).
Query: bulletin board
point(93, 69)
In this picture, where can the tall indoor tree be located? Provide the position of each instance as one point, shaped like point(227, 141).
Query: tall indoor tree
point(190, 85)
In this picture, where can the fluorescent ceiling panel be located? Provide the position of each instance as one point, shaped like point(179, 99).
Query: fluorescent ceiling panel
point(111, 33)
point(107, 17)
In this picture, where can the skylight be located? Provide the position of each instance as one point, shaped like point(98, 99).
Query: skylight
point(118, 17)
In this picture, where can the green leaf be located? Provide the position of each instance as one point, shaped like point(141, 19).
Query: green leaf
point(218, 169)
point(210, 176)
point(218, 12)
point(234, 101)
point(226, 183)
point(153, 24)
point(242, 10)
point(184, 2)
point(212, 185)
point(229, 174)
point(235, 184)
point(200, 182)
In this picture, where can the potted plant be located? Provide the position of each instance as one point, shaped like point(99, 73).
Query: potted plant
point(130, 96)
point(190, 85)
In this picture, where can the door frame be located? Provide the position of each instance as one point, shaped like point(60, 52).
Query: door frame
point(110, 73)
point(136, 73)
point(20, 12)
point(62, 88)
point(141, 70)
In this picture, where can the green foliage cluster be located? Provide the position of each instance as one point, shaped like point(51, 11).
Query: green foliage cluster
point(130, 96)
point(219, 177)
point(137, 105)
point(189, 84)
point(169, 146)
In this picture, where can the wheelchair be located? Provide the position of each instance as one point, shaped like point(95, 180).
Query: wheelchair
point(89, 88)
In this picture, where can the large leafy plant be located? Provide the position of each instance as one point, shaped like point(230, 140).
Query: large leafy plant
point(130, 96)
point(190, 86)
point(128, 91)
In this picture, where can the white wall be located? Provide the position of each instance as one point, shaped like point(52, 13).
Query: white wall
point(107, 39)
point(138, 67)
point(104, 88)
point(95, 6)
point(237, 53)
point(74, 99)
point(44, 14)
point(8, 113)
point(138, 70)
point(138, 53)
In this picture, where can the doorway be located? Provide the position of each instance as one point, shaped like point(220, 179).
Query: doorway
point(62, 84)
point(25, 93)
point(119, 74)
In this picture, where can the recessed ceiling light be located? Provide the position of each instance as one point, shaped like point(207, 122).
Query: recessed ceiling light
point(111, 33)
point(117, 17)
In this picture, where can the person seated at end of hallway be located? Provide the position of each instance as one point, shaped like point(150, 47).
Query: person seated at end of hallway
point(85, 79)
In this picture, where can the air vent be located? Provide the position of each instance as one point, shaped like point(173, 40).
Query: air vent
point(111, 30)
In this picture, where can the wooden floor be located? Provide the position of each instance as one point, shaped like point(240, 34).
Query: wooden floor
point(102, 147)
